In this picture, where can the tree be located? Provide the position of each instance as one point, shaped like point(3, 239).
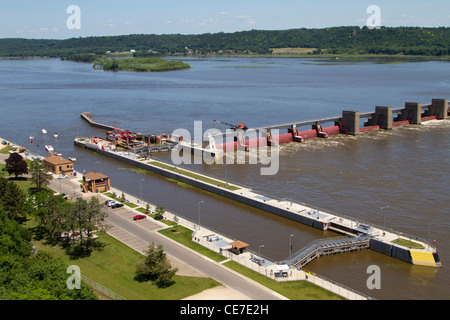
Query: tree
point(13, 200)
point(39, 174)
point(156, 267)
point(176, 222)
point(159, 212)
point(82, 219)
point(16, 165)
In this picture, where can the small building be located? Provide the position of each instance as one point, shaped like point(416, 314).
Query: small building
point(58, 165)
point(238, 246)
point(96, 182)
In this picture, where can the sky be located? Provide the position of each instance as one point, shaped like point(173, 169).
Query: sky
point(50, 19)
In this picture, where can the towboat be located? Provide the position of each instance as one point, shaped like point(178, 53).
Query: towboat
point(49, 148)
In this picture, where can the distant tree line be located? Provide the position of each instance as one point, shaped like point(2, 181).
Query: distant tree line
point(335, 40)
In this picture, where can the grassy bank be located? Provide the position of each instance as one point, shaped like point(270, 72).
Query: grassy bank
point(194, 176)
point(184, 236)
point(139, 64)
point(114, 267)
point(294, 290)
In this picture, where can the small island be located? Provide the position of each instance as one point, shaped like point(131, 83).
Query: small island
point(147, 64)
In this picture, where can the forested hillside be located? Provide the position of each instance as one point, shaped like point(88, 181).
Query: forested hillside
point(336, 40)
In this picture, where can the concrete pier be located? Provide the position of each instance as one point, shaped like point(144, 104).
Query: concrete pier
point(382, 118)
point(412, 113)
point(350, 122)
point(438, 108)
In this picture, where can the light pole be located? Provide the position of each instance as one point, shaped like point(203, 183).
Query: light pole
point(199, 203)
point(290, 189)
point(383, 210)
point(259, 250)
point(290, 248)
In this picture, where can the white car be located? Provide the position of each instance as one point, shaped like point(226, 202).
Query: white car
point(109, 203)
point(62, 176)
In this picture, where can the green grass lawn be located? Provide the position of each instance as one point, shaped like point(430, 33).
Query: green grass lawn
point(114, 267)
point(195, 176)
point(184, 236)
point(24, 183)
point(5, 150)
point(294, 290)
point(408, 243)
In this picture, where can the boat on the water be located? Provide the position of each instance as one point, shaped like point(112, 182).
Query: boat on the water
point(44, 131)
point(55, 135)
point(59, 154)
point(49, 148)
point(72, 159)
point(31, 139)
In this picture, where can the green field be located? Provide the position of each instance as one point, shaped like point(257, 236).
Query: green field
point(114, 267)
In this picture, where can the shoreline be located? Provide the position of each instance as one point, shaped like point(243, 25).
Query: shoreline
point(288, 56)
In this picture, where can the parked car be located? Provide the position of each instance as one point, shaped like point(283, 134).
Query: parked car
point(62, 176)
point(109, 203)
point(139, 217)
point(116, 205)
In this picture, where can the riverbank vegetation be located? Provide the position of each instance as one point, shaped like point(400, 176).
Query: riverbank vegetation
point(354, 40)
point(139, 64)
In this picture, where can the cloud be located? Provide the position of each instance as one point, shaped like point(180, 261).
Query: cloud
point(222, 13)
point(249, 20)
point(208, 22)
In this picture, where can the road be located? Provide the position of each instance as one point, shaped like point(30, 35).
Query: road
point(146, 232)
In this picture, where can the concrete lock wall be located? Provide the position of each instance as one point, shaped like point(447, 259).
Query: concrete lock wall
point(233, 195)
point(390, 250)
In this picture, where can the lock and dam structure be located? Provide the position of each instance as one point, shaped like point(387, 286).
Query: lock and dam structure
point(356, 234)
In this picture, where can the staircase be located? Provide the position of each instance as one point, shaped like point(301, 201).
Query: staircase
point(329, 246)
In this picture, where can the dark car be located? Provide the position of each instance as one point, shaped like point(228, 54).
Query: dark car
point(116, 205)
point(139, 217)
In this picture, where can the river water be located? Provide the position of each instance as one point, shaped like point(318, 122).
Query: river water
point(406, 168)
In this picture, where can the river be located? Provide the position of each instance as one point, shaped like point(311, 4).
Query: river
point(406, 168)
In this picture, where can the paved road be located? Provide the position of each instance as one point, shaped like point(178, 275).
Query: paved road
point(145, 232)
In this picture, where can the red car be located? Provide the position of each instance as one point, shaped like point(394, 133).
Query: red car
point(139, 217)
